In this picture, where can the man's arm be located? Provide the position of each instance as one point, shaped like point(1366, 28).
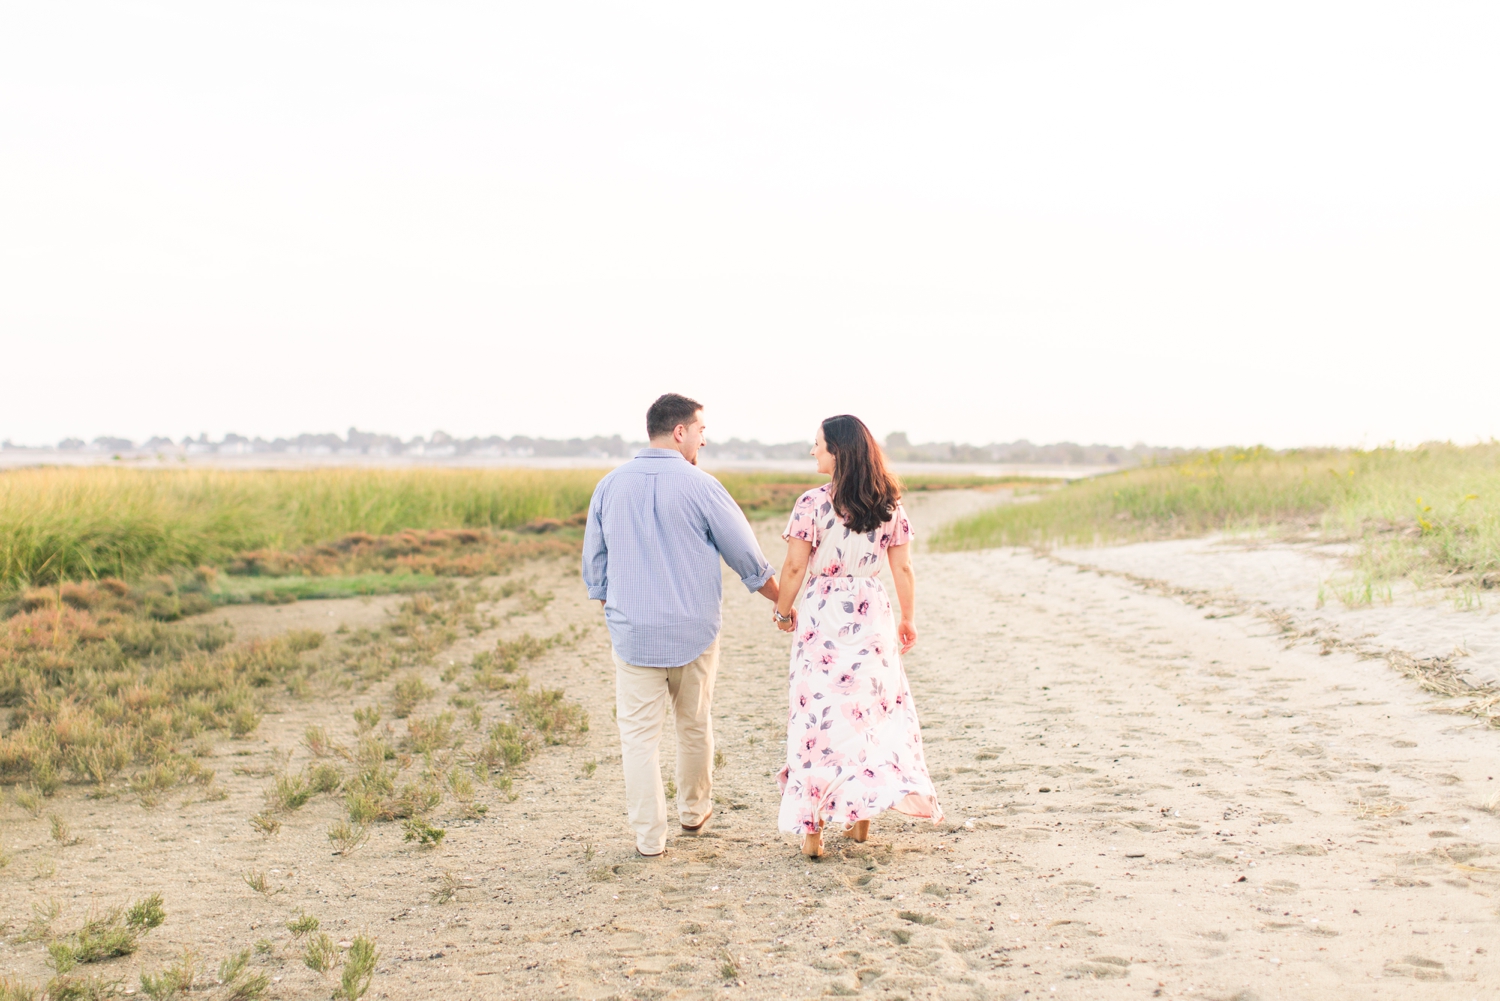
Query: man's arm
point(595, 552)
point(735, 540)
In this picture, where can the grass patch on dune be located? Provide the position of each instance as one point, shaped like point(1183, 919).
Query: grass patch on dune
point(1431, 512)
point(772, 493)
point(64, 524)
point(71, 524)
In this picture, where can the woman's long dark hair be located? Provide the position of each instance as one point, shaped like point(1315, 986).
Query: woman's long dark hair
point(864, 491)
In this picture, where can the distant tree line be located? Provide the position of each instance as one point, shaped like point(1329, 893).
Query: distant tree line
point(440, 444)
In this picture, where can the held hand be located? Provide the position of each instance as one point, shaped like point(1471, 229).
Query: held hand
point(790, 625)
point(906, 632)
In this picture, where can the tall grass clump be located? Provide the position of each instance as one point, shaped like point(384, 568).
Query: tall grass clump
point(1433, 509)
point(71, 524)
point(62, 524)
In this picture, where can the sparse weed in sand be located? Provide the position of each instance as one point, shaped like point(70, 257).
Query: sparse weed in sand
point(508, 746)
point(359, 969)
point(62, 834)
point(238, 983)
point(46, 868)
point(43, 914)
point(589, 768)
point(256, 880)
point(426, 735)
point(315, 739)
point(423, 833)
point(288, 793)
point(461, 785)
point(152, 783)
point(545, 711)
point(448, 887)
point(366, 719)
point(719, 760)
point(74, 649)
point(265, 824)
point(15, 990)
point(320, 954)
point(409, 691)
point(30, 800)
point(179, 978)
point(1430, 514)
point(324, 778)
point(302, 925)
point(509, 655)
point(347, 838)
point(115, 933)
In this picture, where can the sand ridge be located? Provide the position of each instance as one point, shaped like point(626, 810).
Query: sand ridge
point(1141, 802)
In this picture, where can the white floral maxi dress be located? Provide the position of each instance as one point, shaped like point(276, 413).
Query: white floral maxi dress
point(854, 747)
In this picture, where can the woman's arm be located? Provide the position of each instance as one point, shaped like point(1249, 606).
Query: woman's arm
point(906, 592)
point(793, 571)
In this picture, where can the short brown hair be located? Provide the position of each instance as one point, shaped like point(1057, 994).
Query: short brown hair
point(670, 410)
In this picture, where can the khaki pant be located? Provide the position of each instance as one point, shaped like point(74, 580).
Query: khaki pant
point(641, 697)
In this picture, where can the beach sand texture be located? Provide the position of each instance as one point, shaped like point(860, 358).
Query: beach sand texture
point(1145, 798)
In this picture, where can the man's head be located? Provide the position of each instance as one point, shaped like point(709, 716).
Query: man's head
point(676, 422)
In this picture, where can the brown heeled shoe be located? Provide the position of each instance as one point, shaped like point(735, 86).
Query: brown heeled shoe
point(812, 844)
point(859, 831)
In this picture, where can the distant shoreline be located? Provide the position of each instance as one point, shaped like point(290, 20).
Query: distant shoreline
point(18, 458)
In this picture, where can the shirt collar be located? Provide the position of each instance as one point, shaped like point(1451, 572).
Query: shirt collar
point(659, 453)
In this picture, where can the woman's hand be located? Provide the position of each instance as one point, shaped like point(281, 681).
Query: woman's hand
point(906, 632)
point(790, 625)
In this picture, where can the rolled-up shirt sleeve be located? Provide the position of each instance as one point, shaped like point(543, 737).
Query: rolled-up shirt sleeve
point(595, 552)
point(733, 538)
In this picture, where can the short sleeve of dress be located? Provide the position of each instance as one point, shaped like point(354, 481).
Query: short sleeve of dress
point(804, 521)
point(897, 531)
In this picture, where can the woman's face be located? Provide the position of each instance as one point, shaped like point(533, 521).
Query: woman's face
point(820, 452)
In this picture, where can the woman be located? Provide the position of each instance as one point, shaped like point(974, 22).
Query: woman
point(854, 748)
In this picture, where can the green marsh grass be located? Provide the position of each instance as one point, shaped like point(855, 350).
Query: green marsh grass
point(72, 524)
point(1431, 514)
point(68, 524)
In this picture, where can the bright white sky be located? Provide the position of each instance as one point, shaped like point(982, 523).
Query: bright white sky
point(1186, 224)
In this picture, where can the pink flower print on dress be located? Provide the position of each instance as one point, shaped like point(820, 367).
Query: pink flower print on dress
point(815, 748)
point(828, 658)
point(846, 681)
point(805, 697)
point(859, 717)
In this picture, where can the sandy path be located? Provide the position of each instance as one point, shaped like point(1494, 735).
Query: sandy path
point(1200, 836)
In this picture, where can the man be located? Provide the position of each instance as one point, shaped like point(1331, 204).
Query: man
point(657, 527)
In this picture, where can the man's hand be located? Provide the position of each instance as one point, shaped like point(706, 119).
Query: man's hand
point(790, 625)
point(601, 603)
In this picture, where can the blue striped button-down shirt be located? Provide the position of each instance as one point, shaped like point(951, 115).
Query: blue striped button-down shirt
point(657, 527)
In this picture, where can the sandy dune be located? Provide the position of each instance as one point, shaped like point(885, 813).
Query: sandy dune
point(1144, 799)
